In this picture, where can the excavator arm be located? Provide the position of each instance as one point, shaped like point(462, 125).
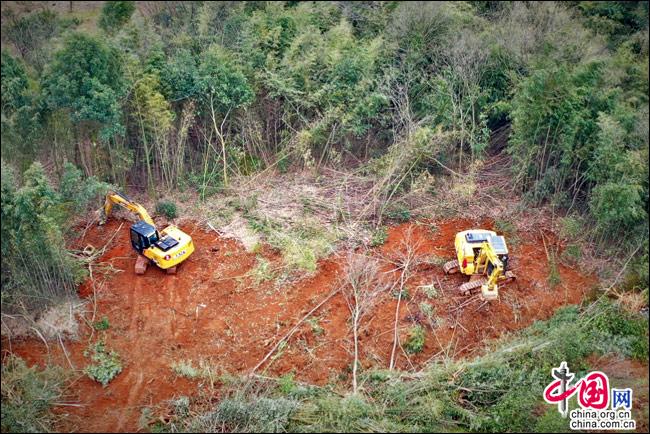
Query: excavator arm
point(488, 263)
point(122, 200)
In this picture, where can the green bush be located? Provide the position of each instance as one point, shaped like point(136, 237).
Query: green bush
point(37, 270)
point(571, 228)
point(102, 325)
point(399, 213)
point(504, 227)
point(107, 364)
point(379, 237)
point(572, 254)
point(79, 194)
point(28, 394)
point(287, 384)
point(415, 341)
point(167, 208)
point(115, 14)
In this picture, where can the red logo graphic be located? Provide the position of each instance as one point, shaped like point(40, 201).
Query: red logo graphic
point(592, 390)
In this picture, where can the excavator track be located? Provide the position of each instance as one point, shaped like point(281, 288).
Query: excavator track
point(451, 267)
point(471, 286)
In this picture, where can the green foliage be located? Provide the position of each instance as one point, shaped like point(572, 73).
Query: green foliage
point(85, 78)
point(262, 271)
point(488, 393)
point(14, 84)
point(36, 268)
point(185, 368)
point(554, 278)
point(505, 227)
point(618, 205)
point(379, 236)
point(28, 394)
point(221, 81)
point(415, 342)
point(287, 384)
point(78, 193)
point(404, 294)
point(572, 254)
point(167, 208)
point(115, 14)
point(427, 310)
point(430, 290)
point(399, 213)
point(621, 331)
point(19, 116)
point(102, 325)
point(571, 228)
point(31, 34)
point(179, 76)
point(107, 365)
point(257, 415)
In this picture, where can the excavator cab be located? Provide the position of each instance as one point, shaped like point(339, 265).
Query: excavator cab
point(143, 236)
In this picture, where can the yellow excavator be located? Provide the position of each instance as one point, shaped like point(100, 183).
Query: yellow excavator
point(482, 255)
point(166, 248)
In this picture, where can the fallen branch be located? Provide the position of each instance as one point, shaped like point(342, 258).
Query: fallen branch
point(294, 329)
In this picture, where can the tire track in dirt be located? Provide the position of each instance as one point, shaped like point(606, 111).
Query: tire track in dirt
point(211, 311)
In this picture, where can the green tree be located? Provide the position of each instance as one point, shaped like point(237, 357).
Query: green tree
point(154, 118)
point(86, 81)
point(115, 14)
point(14, 84)
point(224, 89)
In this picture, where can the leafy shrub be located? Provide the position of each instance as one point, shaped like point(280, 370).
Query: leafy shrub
point(37, 270)
point(571, 228)
point(430, 290)
point(262, 271)
point(107, 364)
point(102, 325)
point(399, 213)
point(287, 384)
point(415, 341)
point(185, 368)
point(257, 415)
point(77, 193)
point(115, 14)
point(572, 254)
point(504, 227)
point(618, 206)
point(379, 237)
point(427, 310)
point(404, 294)
point(27, 395)
point(167, 208)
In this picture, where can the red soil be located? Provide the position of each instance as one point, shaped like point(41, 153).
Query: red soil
point(212, 310)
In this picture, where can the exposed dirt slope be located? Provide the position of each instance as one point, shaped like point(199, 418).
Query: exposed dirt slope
point(213, 310)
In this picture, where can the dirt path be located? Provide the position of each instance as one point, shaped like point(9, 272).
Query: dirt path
point(211, 310)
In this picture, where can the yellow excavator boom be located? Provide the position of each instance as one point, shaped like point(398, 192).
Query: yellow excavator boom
point(125, 202)
point(488, 263)
point(166, 248)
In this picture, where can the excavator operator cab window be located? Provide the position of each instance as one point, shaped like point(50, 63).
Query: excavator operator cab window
point(143, 236)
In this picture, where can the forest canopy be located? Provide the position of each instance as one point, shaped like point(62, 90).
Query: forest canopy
point(168, 96)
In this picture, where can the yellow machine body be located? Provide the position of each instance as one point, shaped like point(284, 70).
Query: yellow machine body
point(174, 256)
point(482, 255)
point(167, 248)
